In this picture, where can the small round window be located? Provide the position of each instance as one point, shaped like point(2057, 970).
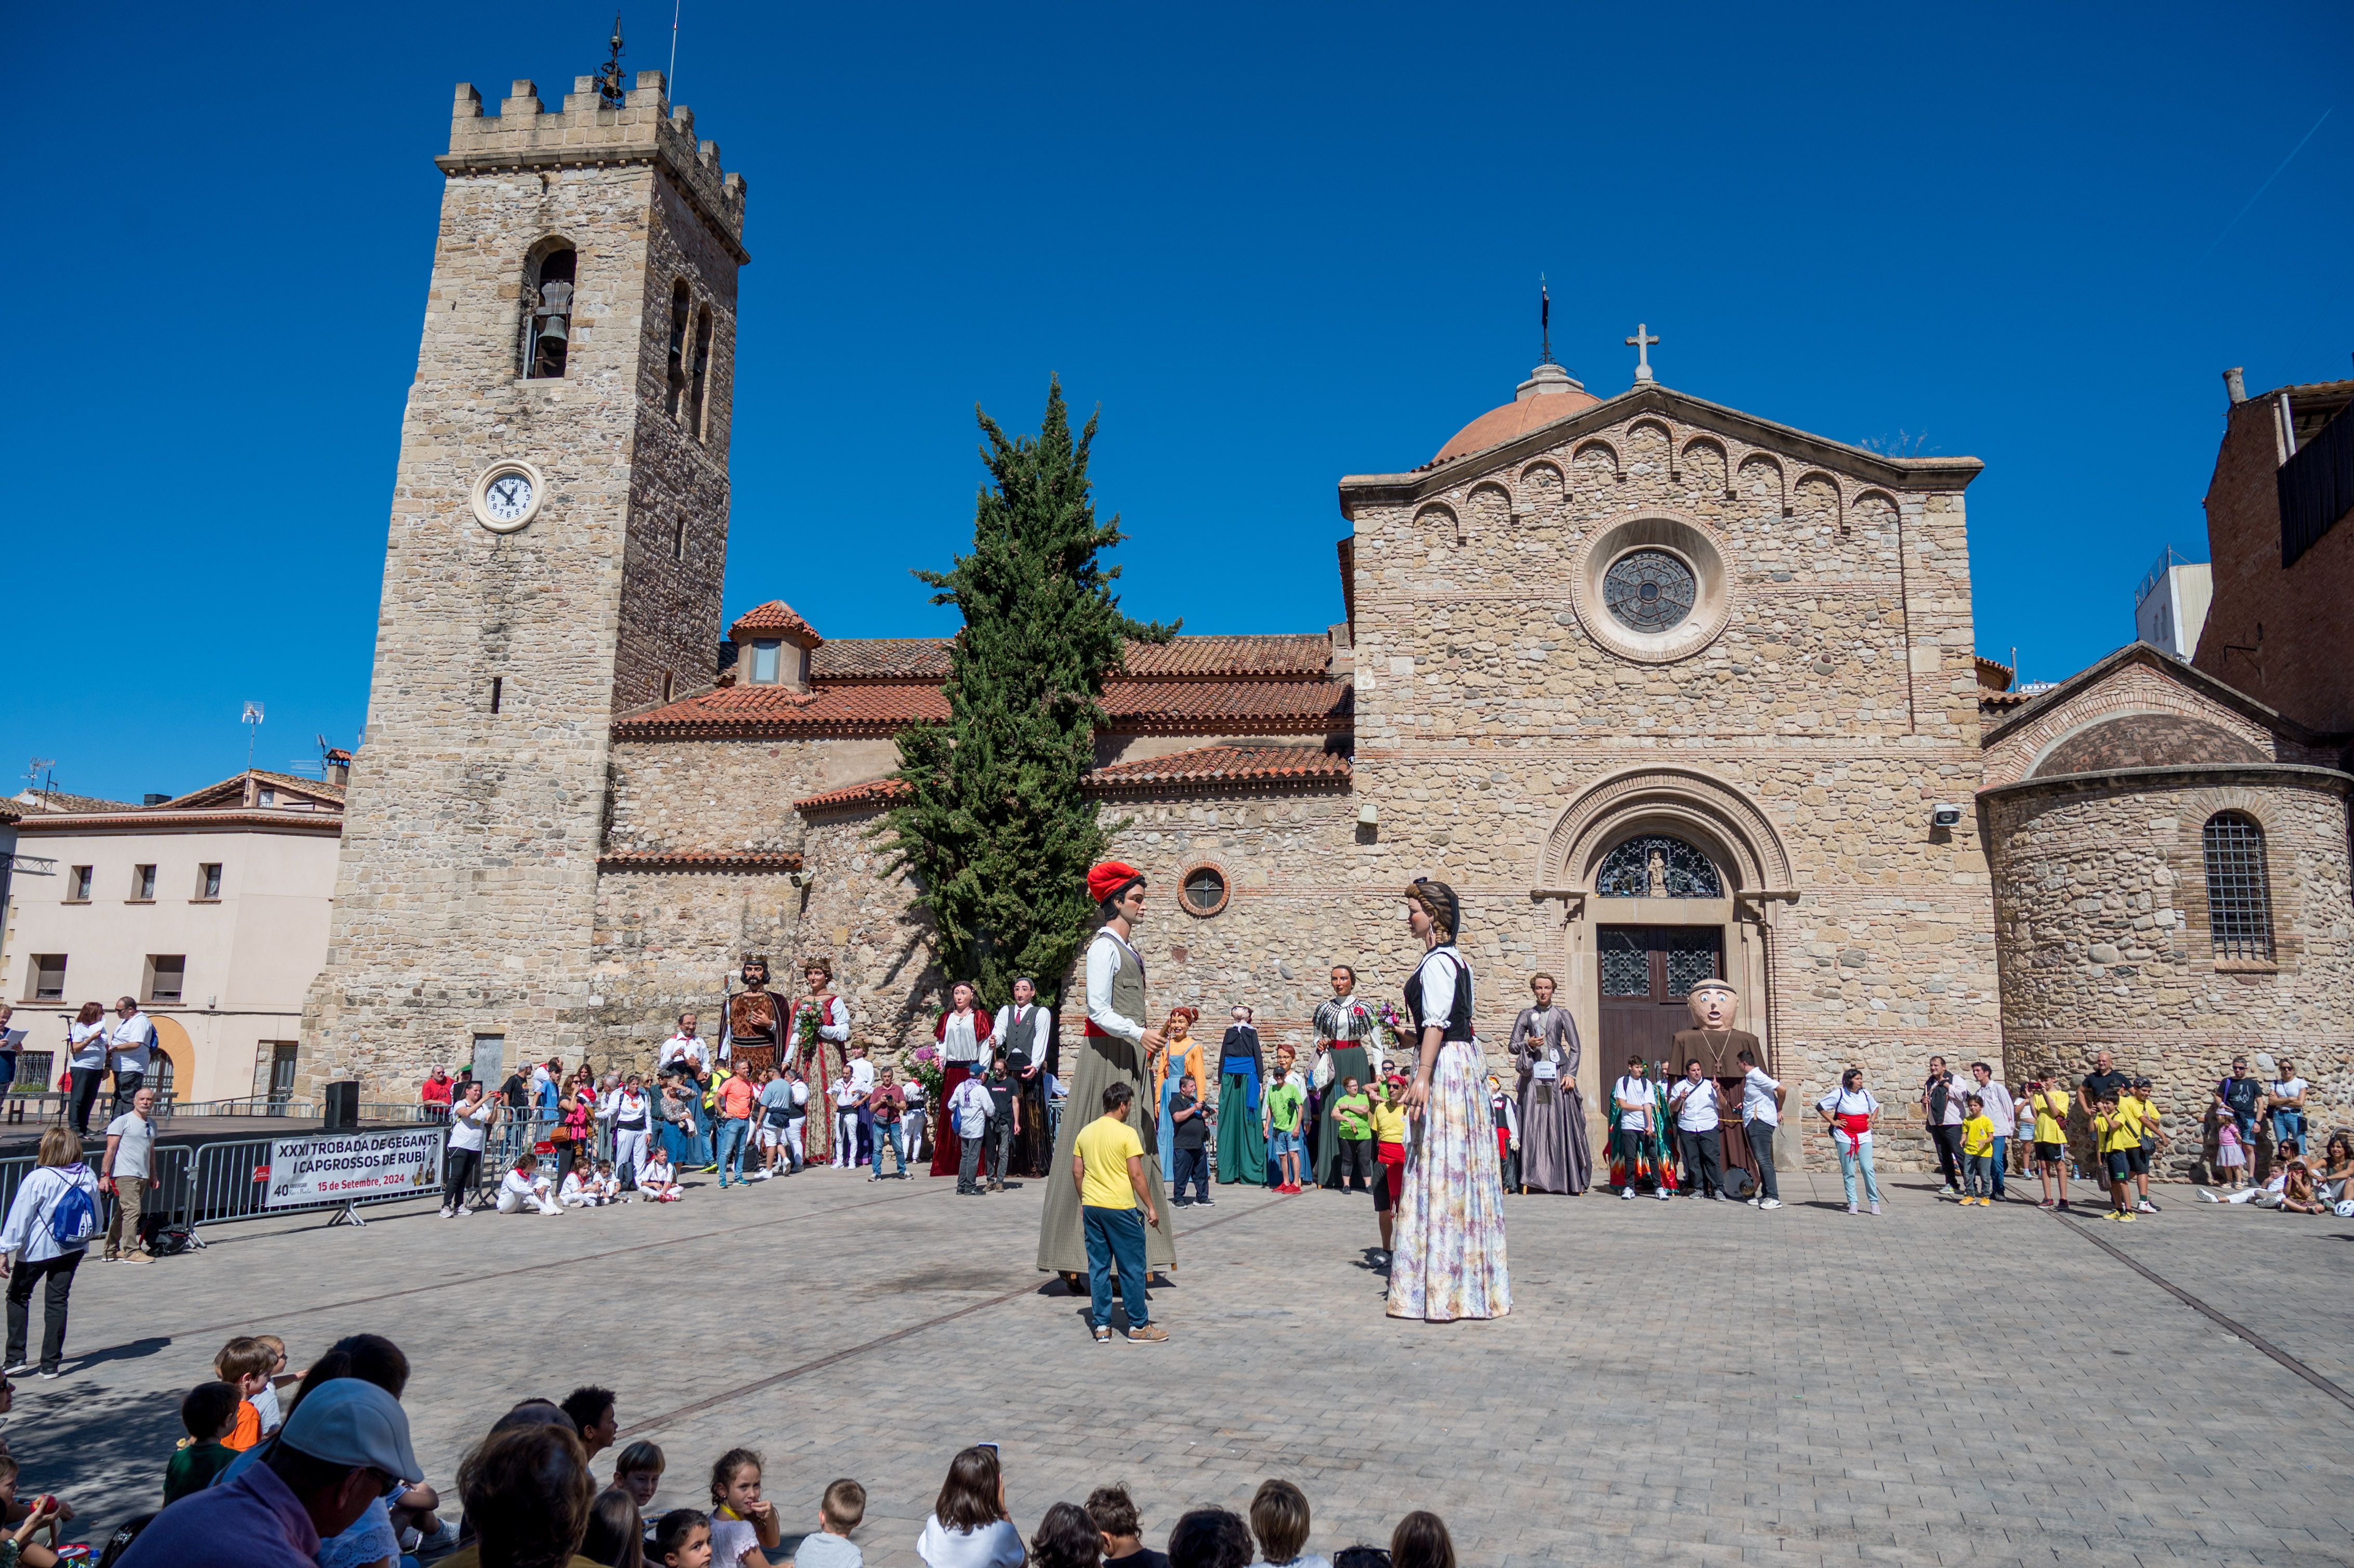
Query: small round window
point(1648, 591)
point(1204, 891)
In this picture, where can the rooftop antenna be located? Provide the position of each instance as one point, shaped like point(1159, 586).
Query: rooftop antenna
point(672, 77)
point(252, 719)
point(33, 774)
point(1544, 318)
point(609, 81)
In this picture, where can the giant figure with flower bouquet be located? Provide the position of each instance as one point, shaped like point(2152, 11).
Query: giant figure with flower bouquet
point(821, 1037)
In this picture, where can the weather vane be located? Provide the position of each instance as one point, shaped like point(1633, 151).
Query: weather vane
point(1545, 318)
point(609, 81)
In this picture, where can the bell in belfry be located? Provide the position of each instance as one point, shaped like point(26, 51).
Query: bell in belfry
point(555, 310)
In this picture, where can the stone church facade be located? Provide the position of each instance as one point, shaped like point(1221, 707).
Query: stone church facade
point(1663, 688)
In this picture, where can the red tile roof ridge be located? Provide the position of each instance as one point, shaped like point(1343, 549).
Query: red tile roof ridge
point(854, 797)
point(1223, 764)
point(776, 616)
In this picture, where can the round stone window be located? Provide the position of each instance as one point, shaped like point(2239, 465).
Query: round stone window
point(1648, 591)
point(1651, 589)
point(1203, 891)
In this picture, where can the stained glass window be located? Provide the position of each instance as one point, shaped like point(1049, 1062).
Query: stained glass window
point(1657, 867)
point(1626, 964)
point(2239, 907)
point(1690, 959)
point(1648, 591)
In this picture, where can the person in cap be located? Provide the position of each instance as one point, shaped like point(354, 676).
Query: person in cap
point(1118, 1047)
point(345, 1445)
point(1449, 1261)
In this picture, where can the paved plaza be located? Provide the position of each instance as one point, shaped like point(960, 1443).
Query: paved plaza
point(1695, 1381)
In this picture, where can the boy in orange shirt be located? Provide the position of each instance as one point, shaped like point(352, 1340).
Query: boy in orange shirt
point(246, 1364)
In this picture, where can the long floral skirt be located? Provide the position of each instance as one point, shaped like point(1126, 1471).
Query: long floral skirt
point(1448, 1258)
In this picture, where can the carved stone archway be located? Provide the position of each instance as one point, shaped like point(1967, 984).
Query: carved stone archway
point(1714, 816)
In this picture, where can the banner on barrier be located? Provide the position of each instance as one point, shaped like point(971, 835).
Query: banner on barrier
point(354, 1167)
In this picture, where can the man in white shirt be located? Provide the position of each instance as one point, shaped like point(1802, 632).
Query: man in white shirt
point(127, 1173)
point(2001, 1113)
point(685, 1045)
point(131, 1047)
point(1761, 1116)
point(850, 1092)
point(1694, 1101)
point(1633, 1098)
point(630, 1111)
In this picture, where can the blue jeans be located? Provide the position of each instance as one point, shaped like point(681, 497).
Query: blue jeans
point(1847, 1163)
point(735, 1131)
point(2289, 1126)
point(887, 1136)
point(2002, 1154)
point(1116, 1236)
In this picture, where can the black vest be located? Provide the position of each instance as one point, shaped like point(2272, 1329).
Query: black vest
point(1458, 1021)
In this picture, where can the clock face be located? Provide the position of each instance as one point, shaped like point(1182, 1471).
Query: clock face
point(508, 497)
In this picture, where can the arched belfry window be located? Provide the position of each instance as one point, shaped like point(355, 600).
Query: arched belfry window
point(699, 372)
point(1654, 865)
point(2239, 898)
point(548, 327)
point(680, 321)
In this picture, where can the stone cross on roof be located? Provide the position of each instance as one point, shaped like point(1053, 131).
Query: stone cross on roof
point(1641, 344)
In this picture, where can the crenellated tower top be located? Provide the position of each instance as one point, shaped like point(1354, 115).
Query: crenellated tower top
point(645, 129)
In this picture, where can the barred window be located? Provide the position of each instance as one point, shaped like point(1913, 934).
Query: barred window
point(2239, 908)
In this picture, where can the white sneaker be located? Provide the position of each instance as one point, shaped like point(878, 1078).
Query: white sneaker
point(1769, 1203)
point(1853, 1210)
point(1875, 1205)
point(1664, 1194)
point(1628, 1193)
point(2204, 1193)
point(1947, 1193)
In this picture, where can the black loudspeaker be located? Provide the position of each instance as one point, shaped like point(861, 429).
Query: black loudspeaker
point(341, 1110)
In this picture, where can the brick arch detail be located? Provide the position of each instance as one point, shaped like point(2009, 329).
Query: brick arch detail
point(2020, 753)
point(1673, 800)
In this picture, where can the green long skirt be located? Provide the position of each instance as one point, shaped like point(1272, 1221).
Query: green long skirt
point(1242, 1151)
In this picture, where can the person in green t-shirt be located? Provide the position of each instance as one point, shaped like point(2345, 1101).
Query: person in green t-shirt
point(1352, 1116)
point(1285, 1102)
point(209, 1413)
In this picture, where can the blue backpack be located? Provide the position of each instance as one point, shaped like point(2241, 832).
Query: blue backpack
point(74, 1218)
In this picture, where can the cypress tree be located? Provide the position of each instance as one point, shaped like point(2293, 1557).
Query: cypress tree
point(995, 826)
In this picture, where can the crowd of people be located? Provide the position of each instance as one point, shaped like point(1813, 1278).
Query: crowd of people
point(326, 1477)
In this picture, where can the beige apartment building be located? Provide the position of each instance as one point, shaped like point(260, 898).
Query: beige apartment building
point(210, 908)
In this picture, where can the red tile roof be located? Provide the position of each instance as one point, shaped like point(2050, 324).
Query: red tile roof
point(1279, 656)
point(755, 861)
point(744, 712)
point(1231, 708)
point(874, 793)
point(882, 659)
point(1222, 766)
point(775, 618)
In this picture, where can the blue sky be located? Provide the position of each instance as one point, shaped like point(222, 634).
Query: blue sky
point(1275, 244)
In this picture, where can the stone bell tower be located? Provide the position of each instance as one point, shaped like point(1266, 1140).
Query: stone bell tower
point(558, 537)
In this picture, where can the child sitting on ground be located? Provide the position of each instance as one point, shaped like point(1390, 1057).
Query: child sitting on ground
point(608, 1185)
point(1122, 1528)
point(580, 1188)
point(244, 1364)
point(43, 1515)
point(524, 1188)
point(1978, 1154)
point(1278, 1517)
point(266, 1400)
point(658, 1178)
point(638, 1472)
point(682, 1539)
point(838, 1513)
point(210, 1412)
point(743, 1526)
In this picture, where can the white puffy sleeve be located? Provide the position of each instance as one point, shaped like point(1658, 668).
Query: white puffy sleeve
point(1437, 990)
point(836, 1026)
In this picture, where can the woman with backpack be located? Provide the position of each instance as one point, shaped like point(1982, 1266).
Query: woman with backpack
point(45, 1238)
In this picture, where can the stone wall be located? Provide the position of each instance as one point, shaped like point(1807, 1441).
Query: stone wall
point(2100, 894)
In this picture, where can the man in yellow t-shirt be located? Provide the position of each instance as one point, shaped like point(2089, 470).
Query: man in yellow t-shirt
point(1107, 1168)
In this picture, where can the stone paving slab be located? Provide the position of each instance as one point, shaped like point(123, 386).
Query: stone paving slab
point(1692, 1379)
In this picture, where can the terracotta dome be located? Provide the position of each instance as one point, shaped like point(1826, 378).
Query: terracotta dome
point(1550, 393)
